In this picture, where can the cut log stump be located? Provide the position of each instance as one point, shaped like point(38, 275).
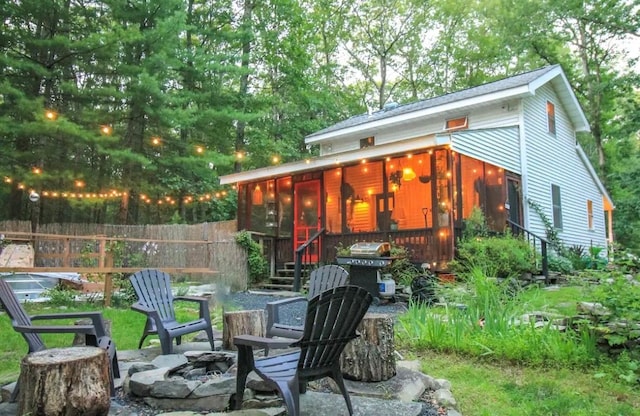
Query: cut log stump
point(65, 382)
point(371, 356)
point(251, 322)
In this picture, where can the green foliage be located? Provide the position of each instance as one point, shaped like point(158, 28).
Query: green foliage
point(486, 321)
point(60, 296)
point(620, 295)
point(258, 265)
point(503, 257)
point(552, 234)
point(560, 264)
point(475, 225)
point(625, 261)
point(402, 270)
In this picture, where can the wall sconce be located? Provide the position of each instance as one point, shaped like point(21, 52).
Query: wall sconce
point(256, 197)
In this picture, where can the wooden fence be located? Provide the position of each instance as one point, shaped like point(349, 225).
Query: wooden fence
point(205, 252)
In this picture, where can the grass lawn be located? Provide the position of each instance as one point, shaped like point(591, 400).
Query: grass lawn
point(488, 389)
point(126, 324)
point(481, 387)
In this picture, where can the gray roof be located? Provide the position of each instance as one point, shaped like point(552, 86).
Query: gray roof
point(492, 87)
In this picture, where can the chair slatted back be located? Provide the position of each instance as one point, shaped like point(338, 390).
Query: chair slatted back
point(326, 277)
point(153, 288)
point(19, 316)
point(331, 322)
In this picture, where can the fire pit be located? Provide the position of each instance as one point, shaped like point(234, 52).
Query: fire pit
point(366, 260)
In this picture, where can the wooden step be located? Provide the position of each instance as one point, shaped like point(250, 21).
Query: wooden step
point(276, 286)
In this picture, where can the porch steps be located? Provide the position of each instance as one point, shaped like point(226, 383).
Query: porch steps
point(283, 280)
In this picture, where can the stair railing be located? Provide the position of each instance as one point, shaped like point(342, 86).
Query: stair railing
point(534, 240)
point(304, 253)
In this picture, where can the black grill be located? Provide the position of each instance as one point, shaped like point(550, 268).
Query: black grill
point(365, 261)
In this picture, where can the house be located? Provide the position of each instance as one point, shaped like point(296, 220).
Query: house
point(410, 174)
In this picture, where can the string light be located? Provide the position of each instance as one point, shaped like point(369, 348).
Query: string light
point(50, 115)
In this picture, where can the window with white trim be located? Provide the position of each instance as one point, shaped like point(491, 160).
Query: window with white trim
point(551, 118)
point(557, 206)
point(456, 123)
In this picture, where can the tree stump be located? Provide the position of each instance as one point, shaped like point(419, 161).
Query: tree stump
point(65, 382)
point(371, 357)
point(80, 339)
point(242, 323)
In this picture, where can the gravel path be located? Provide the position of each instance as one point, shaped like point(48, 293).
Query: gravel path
point(294, 314)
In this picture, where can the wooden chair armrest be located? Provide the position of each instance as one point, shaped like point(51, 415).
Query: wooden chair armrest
point(262, 342)
point(96, 319)
point(67, 315)
point(55, 329)
point(141, 308)
point(204, 304)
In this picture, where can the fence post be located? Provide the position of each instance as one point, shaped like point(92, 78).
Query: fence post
point(66, 255)
point(102, 251)
point(108, 282)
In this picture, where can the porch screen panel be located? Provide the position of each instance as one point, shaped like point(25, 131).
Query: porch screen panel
point(333, 200)
point(496, 215)
point(410, 180)
point(284, 192)
point(472, 184)
point(263, 207)
point(483, 185)
point(362, 183)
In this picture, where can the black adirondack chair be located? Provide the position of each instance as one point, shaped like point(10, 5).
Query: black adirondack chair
point(331, 321)
point(95, 333)
point(156, 301)
point(321, 279)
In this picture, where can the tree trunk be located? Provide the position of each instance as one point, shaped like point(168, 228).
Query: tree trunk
point(371, 356)
point(242, 323)
point(65, 382)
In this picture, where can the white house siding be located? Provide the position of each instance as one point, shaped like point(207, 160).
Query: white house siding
point(500, 146)
point(497, 114)
point(554, 160)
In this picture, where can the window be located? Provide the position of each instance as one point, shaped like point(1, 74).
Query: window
point(456, 123)
point(590, 214)
point(551, 117)
point(368, 142)
point(557, 206)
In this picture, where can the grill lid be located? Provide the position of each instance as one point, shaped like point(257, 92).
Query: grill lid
point(370, 249)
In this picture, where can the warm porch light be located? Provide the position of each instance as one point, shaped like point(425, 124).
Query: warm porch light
point(106, 130)
point(256, 197)
point(408, 174)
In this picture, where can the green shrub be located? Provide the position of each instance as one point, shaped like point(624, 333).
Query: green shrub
point(258, 265)
point(402, 270)
point(560, 264)
point(60, 296)
point(489, 324)
point(501, 257)
point(621, 296)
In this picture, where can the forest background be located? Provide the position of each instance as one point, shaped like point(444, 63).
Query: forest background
point(128, 111)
